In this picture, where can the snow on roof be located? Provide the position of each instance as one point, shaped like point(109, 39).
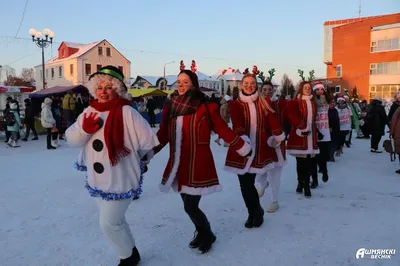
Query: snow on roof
point(132, 80)
point(171, 79)
point(151, 79)
point(227, 71)
point(83, 48)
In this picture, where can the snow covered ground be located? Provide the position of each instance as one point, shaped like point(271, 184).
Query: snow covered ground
point(48, 218)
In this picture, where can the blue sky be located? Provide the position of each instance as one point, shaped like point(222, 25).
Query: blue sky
point(285, 35)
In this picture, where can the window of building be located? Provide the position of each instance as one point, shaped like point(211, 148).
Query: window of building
point(60, 71)
point(47, 73)
point(108, 51)
point(339, 71)
point(71, 69)
point(41, 74)
point(338, 89)
point(88, 69)
point(52, 73)
point(121, 68)
point(385, 45)
point(99, 67)
point(386, 68)
point(100, 51)
point(384, 91)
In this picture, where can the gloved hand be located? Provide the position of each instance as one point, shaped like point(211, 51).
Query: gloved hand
point(249, 154)
point(320, 135)
point(91, 123)
point(275, 143)
point(306, 133)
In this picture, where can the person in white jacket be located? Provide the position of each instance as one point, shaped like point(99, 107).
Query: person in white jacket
point(114, 138)
point(48, 122)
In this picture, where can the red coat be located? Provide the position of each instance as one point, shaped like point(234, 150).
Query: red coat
point(251, 123)
point(190, 162)
point(279, 106)
point(302, 113)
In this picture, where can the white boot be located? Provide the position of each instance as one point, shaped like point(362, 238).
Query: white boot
point(14, 144)
point(273, 207)
point(261, 190)
point(54, 143)
point(10, 141)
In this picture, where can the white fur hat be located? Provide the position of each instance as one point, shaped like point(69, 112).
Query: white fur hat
point(13, 106)
point(318, 86)
point(340, 99)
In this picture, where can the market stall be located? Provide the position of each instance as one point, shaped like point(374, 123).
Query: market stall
point(59, 91)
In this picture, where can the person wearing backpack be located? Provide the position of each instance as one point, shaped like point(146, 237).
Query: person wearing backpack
point(13, 123)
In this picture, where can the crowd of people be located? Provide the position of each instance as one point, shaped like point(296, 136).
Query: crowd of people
point(257, 126)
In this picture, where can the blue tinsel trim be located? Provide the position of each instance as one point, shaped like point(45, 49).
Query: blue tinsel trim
point(79, 167)
point(95, 192)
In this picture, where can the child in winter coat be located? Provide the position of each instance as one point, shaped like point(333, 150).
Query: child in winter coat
point(15, 127)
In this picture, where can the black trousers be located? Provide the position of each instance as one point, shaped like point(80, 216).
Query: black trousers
point(375, 139)
point(305, 167)
point(30, 125)
point(350, 136)
point(152, 118)
point(191, 206)
point(50, 136)
point(342, 138)
point(323, 156)
point(249, 192)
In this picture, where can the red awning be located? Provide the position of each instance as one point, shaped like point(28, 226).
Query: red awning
point(15, 89)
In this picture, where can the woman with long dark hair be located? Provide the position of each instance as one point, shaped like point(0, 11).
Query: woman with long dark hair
point(302, 142)
point(322, 98)
point(188, 119)
point(254, 120)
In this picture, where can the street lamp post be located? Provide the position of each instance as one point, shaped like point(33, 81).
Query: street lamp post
point(42, 42)
point(165, 82)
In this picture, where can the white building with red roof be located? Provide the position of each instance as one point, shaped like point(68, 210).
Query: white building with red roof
point(75, 62)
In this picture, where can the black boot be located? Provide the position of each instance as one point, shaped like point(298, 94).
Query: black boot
point(314, 183)
point(325, 177)
point(133, 260)
point(258, 218)
point(195, 243)
point(299, 189)
point(207, 240)
point(307, 191)
point(249, 221)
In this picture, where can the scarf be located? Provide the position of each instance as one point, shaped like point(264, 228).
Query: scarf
point(114, 128)
point(187, 103)
point(321, 102)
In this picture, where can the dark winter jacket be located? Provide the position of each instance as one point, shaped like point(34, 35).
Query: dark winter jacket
point(29, 112)
point(151, 106)
point(376, 118)
point(392, 110)
point(334, 122)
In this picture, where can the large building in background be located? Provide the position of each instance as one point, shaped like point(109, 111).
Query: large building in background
point(75, 62)
point(363, 53)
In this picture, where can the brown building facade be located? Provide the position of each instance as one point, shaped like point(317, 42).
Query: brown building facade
point(364, 53)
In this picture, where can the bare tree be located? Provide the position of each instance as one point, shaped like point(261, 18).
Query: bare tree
point(28, 75)
point(9, 71)
point(287, 88)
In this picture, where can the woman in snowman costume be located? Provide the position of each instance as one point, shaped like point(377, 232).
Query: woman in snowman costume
point(113, 137)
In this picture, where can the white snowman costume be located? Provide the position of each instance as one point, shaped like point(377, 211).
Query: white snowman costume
point(113, 186)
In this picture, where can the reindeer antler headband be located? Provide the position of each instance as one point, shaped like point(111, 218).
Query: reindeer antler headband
point(310, 77)
point(193, 66)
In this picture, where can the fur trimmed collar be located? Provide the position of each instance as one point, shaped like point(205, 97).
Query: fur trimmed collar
point(304, 97)
point(248, 98)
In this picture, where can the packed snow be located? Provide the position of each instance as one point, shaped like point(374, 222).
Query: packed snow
point(48, 217)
